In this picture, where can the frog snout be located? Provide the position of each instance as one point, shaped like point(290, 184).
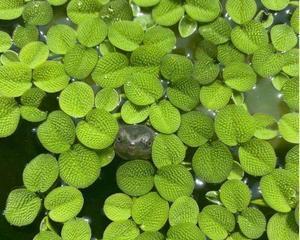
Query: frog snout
point(131, 146)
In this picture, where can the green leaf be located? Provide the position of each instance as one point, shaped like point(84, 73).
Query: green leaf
point(146, 3)
point(227, 54)
point(37, 13)
point(288, 127)
point(133, 114)
point(167, 12)
point(32, 114)
point(252, 223)
point(230, 125)
point(295, 20)
point(34, 54)
point(215, 96)
point(174, 181)
point(282, 226)
point(79, 11)
point(275, 5)
point(290, 92)
point(279, 190)
point(125, 230)
point(47, 235)
point(136, 177)
point(11, 9)
point(195, 129)
point(106, 156)
point(116, 10)
point(143, 88)
point(176, 67)
point(187, 26)
point(92, 32)
point(186, 231)
point(249, 37)
point(257, 157)
point(264, 123)
point(239, 76)
point(9, 57)
point(292, 161)
point(9, 116)
point(79, 61)
point(183, 210)
point(57, 2)
point(150, 236)
point(167, 150)
point(126, 35)
point(76, 228)
point(202, 10)
point(63, 203)
point(216, 221)
point(98, 130)
point(164, 117)
point(235, 195)
point(107, 99)
point(241, 11)
point(283, 37)
point(5, 41)
point(61, 38)
point(237, 172)
point(266, 18)
point(24, 35)
point(40, 173)
point(79, 166)
point(50, 77)
point(150, 212)
point(15, 79)
point(279, 80)
point(291, 62)
point(57, 133)
point(217, 32)
point(77, 99)
point(212, 162)
point(22, 207)
point(184, 94)
point(117, 207)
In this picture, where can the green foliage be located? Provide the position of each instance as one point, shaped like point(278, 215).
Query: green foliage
point(290, 91)
point(32, 97)
point(61, 38)
point(146, 3)
point(5, 41)
point(63, 203)
point(279, 190)
point(230, 125)
point(122, 230)
point(292, 161)
point(22, 207)
point(264, 125)
point(11, 9)
point(34, 54)
point(252, 223)
point(79, 166)
point(150, 236)
point(174, 181)
point(196, 128)
point(9, 116)
point(288, 126)
point(107, 99)
point(167, 12)
point(117, 207)
point(106, 156)
point(79, 61)
point(143, 88)
point(24, 35)
point(79, 11)
point(40, 173)
point(187, 26)
point(150, 212)
point(76, 229)
point(164, 117)
point(183, 210)
point(227, 54)
point(257, 157)
point(235, 195)
point(241, 11)
point(126, 35)
point(212, 162)
point(239, 76)
point(295, 20)
point(185, 231)
point(216, 222)
point(57, 133)
point(215, 96)
point(116, 10)
point(136, 177)
point(37, 13)
point(275, 5)
point(217, 32)
point(133, 114)
point(202, 10)
point(77, 99)
point(282, 226)
point(50, 77)
point(167, 150)
point(32, 114)
point(283, 37)
point(47, 235)
point(8, 57)
point(15, 79)
point(57, 2)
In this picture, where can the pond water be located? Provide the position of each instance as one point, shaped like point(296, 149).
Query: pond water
point(17, 150)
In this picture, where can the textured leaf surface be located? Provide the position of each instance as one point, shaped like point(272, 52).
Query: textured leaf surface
point(11, 9)
point(202, 10)
point(37, 13)
point(133, 114)
point(241, 11)
point(185, 231)
point(125, 230)
point(9, 116)
point(24, 35)
point(79, 11)
point(227, 54)
point(275, 5)
point(289, 127)
point(5, 41)
point(107, 99)
point(283, 37)
point(76, 229)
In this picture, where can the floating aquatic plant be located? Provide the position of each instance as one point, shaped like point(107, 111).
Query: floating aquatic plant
point(135, 80)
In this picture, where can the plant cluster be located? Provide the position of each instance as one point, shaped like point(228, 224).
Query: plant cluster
point(117, 61)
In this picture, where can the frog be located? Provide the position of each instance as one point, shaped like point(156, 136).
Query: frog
point(134, 142)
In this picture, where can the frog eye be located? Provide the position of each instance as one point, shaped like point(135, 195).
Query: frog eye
point(118, 139)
